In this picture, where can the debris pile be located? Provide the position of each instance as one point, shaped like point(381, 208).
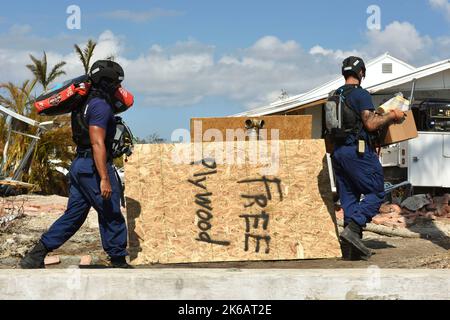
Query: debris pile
point(11, 208)
point(417, 209)
point(20, 231)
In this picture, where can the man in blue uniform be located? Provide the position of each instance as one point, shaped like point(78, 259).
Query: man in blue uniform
point(356, 165)
point(93, 182)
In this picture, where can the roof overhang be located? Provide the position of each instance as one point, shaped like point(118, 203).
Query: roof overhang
point(380, 88)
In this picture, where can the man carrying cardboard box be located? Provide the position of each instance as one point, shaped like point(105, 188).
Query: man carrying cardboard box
point(356, 165)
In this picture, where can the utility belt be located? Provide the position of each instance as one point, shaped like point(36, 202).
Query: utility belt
point(359, 141)
point(89, 154)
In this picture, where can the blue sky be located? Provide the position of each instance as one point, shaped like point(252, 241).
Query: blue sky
point(203, 58)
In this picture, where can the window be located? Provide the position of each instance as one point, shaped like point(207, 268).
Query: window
point(386, 67)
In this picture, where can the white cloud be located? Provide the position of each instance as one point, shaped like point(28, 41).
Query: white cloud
point(20, 37)
point(187, 72)
point(336, 54)
point(20, 29)
point(141, 17)
point(12, 65)
point(441, 5)
point(272, 47)
point(401, 39)
point(14, 58)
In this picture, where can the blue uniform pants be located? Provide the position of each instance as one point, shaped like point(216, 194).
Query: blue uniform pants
point(358, 175)
point(84, 193)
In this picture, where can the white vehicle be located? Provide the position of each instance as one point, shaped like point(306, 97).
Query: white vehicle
point(426, 158)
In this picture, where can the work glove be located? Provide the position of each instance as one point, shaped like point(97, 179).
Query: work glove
point(398, 115)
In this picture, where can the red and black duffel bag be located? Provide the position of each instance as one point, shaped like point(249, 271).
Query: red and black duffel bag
point(122, 101)
point(73, 94)
point(64, 99)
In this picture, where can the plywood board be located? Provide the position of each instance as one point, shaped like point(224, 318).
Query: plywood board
point(289, 127)
point(211, 211)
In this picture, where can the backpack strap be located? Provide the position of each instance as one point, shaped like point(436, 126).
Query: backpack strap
point(344, 92)
point(83, 128)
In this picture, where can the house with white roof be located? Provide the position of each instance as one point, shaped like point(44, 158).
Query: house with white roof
point(386, 75)
point(426, 158)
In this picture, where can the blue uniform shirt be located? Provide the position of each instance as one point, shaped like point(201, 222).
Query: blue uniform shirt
point(360, 99)
point(99, 113)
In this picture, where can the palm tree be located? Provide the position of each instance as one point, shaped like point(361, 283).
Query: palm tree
point(17, 99)
point(86, 54)
point(18, 96)
point(39, 69)
point(52, 144)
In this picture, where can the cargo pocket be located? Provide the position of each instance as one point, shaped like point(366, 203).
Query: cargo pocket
point(87, 174)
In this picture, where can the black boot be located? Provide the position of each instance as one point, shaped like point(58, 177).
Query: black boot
point(346, 248)
point(352, 234)
point(120, 262)
point(350, 253)
point(35, 258)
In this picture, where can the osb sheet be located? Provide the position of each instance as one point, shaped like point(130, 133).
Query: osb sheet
point(216, 217)
point(290, 127)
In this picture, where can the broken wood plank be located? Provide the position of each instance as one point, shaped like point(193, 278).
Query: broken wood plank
point(15, 183)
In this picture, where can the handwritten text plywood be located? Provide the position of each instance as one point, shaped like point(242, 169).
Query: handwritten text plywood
point(207, 211)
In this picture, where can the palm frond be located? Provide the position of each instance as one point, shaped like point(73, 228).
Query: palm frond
point(80, 54)
point(39, 69)
point(89, 52)
point(56, 72)
point(85, 54)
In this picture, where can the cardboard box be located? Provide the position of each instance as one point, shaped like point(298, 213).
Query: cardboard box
point(398, 132)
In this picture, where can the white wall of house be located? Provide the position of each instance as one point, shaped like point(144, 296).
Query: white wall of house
point(435, 82)
point(384, 69)
point(379, 70)
point(316, 113)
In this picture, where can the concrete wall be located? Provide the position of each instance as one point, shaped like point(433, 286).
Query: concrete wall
point(230, 284)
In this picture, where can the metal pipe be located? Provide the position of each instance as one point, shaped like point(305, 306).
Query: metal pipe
point(411, 97)
point(253, 126)
point(27, 156)
point(5, 150)
point(254, 123)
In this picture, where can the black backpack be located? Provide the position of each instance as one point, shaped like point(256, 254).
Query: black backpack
point(121, 144)
point(341, 120)
point(123, 140)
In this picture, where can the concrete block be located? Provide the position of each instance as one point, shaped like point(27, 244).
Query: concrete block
point(50, 260)
point(85, 260)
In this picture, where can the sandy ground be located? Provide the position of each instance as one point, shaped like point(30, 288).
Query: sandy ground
point(17, 236)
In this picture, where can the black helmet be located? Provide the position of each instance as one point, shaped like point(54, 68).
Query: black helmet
point(108, 71)
point(352, 66)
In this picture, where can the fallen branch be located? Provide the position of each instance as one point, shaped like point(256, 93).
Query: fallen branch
point(388, 231)
point(15, 183)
